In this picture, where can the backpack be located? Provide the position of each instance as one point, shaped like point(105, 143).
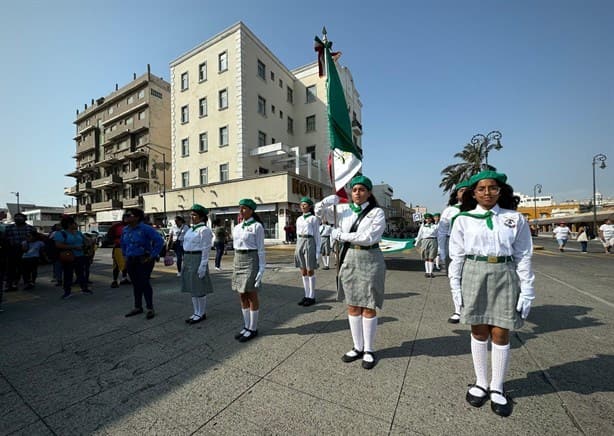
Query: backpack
point(88, 246)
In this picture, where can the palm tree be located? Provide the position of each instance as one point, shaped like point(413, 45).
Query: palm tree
point(472, 156)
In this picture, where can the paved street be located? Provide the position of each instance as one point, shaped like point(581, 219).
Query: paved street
point(81, 367)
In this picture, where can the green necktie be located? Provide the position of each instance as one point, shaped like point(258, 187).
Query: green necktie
point(197, 226)
point(355, 208)
point(247, 223)
point(484, 216)
point(307, 215)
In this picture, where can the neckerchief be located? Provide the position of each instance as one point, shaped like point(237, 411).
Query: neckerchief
point(482, 216)
point(247, 223)
point(355, 208)
point(197, 226)
point(427, 225)
point(307, 215)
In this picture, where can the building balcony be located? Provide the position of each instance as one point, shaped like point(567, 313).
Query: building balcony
point(71, 190)
point(124, 130)
point(86, 187)
point(356, 127)
point(70, 210)
point(87, 144)
point(136, 176)
point(106, 182)
point(133, 202)
point(106, 205)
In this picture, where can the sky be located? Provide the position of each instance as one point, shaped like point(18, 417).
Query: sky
point(431, 74)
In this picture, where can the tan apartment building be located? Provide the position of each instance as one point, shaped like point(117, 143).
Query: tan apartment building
point(244, 125)
point(122, 146)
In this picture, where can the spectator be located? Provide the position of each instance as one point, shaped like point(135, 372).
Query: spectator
point(219, 243)
point(32, 251)
point(561, 233)
point(89, 251)
point(606, 235)
point(114, 235)
point(51, 251)
point(15, 235)
point(71, 240)
point(140, 244)
point(175, 240)
point(582, 238)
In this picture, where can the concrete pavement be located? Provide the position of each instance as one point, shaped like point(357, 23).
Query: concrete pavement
point(81, 367)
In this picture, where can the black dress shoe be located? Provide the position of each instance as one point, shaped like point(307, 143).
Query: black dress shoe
point(248, 335)
point(503, 410)
point(368, 364)
point(309, 302)
point(474, 400)
point(347, 357)
point(302, 302)
point(134, 312)
point(187, 321)
point(240, 334)
point(454, 319)
point(197, 320)
point(427, 275)
point(150, 314)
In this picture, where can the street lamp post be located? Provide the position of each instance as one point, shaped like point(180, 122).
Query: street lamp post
point(17, 195)
point(537, 189)
point(597, 158)
point(163, 153)
point(487, 143)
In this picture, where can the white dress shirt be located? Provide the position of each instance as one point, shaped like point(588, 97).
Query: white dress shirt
point(309, 226)
point(443, 231)
point(510, 236)
point(426, 231)
point(178, 233)
point(249, 235)
point(198, 238)
point(561, 232)
point(325, 230)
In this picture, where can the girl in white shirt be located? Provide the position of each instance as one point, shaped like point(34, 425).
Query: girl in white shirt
point(427, 241)
point(307, 249)
point(491, 279)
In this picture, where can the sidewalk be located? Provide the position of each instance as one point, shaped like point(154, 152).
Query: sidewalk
point(81, 367)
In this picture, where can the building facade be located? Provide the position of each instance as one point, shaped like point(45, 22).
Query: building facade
point(244, 125)
point(122, 149)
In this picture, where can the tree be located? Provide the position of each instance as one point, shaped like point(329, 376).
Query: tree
point(472, 156)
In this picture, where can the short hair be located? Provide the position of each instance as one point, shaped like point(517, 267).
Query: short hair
point(67, 221)
point(136, 212)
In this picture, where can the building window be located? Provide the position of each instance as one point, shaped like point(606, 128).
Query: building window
point(223, 99)
point(202, 107)
point(111, 109)
point(204, 176)
point(310, 94)
point(272, 76)
point(281, 114)
point(142, 93)
point(223, 136)
point(281, 83)
point(290, 126)
point(223, 172)
point(130, 100)
point(272, 140)
point(156, 93)
point(289, 95)
point(261, 69)
point(261, 139)
point(262, 106)
point(312, 151)
point(141, 115)
point(129, 121)
point(202, 72)
point(273, 108)
point(185, 114)
point(185, 147)
point(203, 142)
point(184, 81)
point(222, 62)
point(310, 123)
point(185, 179)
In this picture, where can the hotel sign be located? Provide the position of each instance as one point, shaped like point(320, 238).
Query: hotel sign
point(305, 189)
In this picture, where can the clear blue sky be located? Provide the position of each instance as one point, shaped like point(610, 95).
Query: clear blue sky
point(431, 74)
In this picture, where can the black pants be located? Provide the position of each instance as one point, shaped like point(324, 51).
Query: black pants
point(140, 274)
point(219, 252)
point(77, 267)
point(29, 269)
point(178, 249)
point(13, 266)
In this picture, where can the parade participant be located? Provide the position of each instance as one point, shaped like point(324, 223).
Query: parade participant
point(443, 233)
point(249, 264)
point(561, 233)
point(436, 219)
point(175, 240)
point(114, 235)
point(195, 277)
point(491, 279)
point(71, 239)
point(362, 270)
point(427, 241)
point(325, 248)
point(606, 235)
point(307, 249)
point(141, 245)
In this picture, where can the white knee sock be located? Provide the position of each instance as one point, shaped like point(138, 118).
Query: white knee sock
point(306, 285)
point(202, 305)
point(356, 330)
point(312, 287)
point(500, 360)
point(325, 260)
point(369, 327)
point(253, 320)
point(437, 262)
point(479, 352)
point(246, 317)
point(457, 309)
point(195, 305)
point(426, 267)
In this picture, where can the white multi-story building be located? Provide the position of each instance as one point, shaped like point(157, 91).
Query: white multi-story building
point(537, 201)
point(244, 125)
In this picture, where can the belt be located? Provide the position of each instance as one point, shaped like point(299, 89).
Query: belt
point(193, 252)
point(305, 236)
point(431, 238)
point(364, 247)
point(245, 251)
point(491, 259)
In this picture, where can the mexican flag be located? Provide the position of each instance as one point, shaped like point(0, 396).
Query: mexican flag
point(394, 245)
point(344, 160)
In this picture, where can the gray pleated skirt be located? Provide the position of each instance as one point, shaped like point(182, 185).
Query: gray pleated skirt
point(429, 248)
point(325, 246)
point(245, 269)
point(189, 277)
point(305, 254)
point(361, 278)
point(490, 293)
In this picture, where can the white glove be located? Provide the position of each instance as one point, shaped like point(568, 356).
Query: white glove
point(336, 234)
point(457, 297)
point(330, 200)
point(258, 279)
point(523, 307)
point(202, 270)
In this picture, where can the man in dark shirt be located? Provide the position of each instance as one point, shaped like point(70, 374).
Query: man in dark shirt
point(15, 235)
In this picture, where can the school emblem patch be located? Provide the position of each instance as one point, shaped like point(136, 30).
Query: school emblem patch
point(509, 222)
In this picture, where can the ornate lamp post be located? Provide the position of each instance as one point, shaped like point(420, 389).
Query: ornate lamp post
point(597, 158)
point(537, 189)
point(487, 143)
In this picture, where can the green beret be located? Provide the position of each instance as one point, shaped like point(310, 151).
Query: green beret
point(488, 174)
point(362, 180)
point(202, 210)
point(307, 200)
point(249, 203)
point(428, 215)
point(436, 214)
point(463, 184)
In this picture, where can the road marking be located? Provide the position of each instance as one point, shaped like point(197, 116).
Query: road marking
point(601, 300)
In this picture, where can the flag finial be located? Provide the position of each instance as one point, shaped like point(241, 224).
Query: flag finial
point(324, 38)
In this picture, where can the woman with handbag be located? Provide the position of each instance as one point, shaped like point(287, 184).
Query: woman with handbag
point(362, 271)
point(69, 242)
